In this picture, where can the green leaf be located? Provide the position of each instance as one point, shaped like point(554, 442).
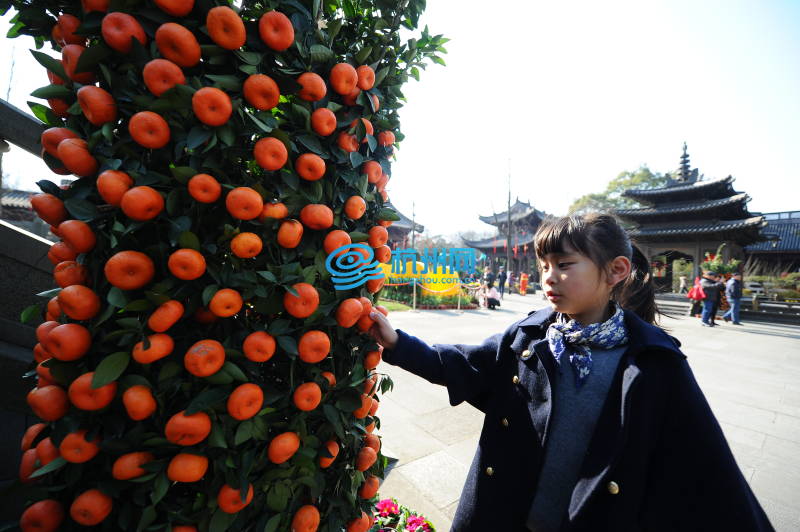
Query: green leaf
point(233, 370)
point(160, 487)
point(269, 276)
point(169, 370)
point(91, 57)
point(173, 202)
point(380, 75)
point(243, 433)
point(220, 521)
point(273, 523)
point(227, 82)
point(52, 91)
point(182, 174)
point(208, 293)
point(251, 58)
point(116, 297)
point(264, 127)
point(311, 142)
point(288, 344)
point(45, 114)
point(50, 63)
point(356, 159)
point(388, 214)
point(138, 305)
point(49, 293)
point(81, 208)
point(320, 53)
point(333, 417)
point(149, 514)
point(363, 54)
point(30, 312)
point(187, 239)
point(197, 136)
point(110, 368)
point(226, 134)
point(55, 465)
point(217, 437)
point(357, 237)
point(278, 496)
point(207, 399)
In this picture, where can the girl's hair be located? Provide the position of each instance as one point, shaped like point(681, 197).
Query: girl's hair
point(489, 284)
point(601, 238)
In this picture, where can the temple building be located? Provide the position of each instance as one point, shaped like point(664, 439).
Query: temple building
point(688, 218)
point(781, 253)
point(400, 230)
point(525, 221)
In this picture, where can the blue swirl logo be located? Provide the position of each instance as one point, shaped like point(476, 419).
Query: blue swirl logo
point(352, 267)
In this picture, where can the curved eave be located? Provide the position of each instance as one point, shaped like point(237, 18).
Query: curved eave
point(745, 231)
point(716, 187)
point(733, 207)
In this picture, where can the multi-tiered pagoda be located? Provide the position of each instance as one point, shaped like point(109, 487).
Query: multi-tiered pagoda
point(525, 221)
point(690, 217)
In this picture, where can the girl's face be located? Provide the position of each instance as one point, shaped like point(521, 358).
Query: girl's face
point(575, 286)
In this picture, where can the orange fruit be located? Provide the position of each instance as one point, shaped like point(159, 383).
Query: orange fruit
point(282, 447)
point(40, 354)
point(204, 358)
point(55, 80)
point(27, 466)
point(276, 30)
point(91, 507)
point(376, 103)
point(226, 303)
point(244, 203)
point(350, 99)
point(230, 500)
point(49, 208)
point(95, 5)
point(261, 92)
point(371, 440)
point(160, 75)
point(330, 377)
point(83, 396)
point(290, 233)
point(46, 451)
point(246, 245)
point(187, 467)
point(306, 519)
point(60, 252)
point(165, 316)
point(75, 155)
point(362, 411)
point(355, 207)
point(225, 27)
point(378, 236)
point(310, 166)
point(333, 449)
point(188, 430)
point(51, 137)
point(274, 209)
point(69, 272)
point(366, 77)
point(68, 342)
point(203, 315)
point(112, 185)
point(129, 465)
point(386, 138)
point(348, 312)
point(42, 516)
point(367, 126)
point(139, 402)
point(129, 270)
point(149, 130)
point(373, 170)
point(312, 87)
point(382, 181)
point(259, 346)
point(30, 435)
point(59, 107)
point(119, 28)
point(371, 360)
point(64, 30)
point(334, 240)
point(176, 8)
point(367, 304)
point(76, 449)
point(307, 396)
point(70, 54)
point(53, 308)
point(204, 188)
point(374, 408)
point(370, 487)
point(178, 44)
point(369, 428)
point(44, 329)
point(366, 457)
point(383, 254)
point(44, 377)
point(245, 401)
point(373, 285)
point(161, 345)
point(347, 142)
point(78, 235)
point(364, 323)
point(304, 303)
point(343, 78)
point(212, 106)
point(316, 216)
point(323, 121)
point(314, 346)
point(270, 153)
point(370, 385)
point(359, 524)
point(184, 528)
point(79, 302)
point(383, 310)
point(187, 264)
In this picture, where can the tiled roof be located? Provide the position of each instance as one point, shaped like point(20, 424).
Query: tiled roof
point(685, 207)
point(698, 228)
point(404, 222)
point(519, 211)
point(16, 198)
point(784, 237)
point(498, 241)
point(697, 186)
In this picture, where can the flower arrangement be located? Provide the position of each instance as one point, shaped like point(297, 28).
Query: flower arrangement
point(391, 516)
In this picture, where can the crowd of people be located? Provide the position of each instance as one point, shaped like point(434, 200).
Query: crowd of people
point(706, 295)
point(494, 286)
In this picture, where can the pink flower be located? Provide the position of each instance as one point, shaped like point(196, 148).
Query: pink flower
point(416, 523)
point(387, 507)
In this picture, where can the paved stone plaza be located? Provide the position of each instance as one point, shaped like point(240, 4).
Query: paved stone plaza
point(750, 375)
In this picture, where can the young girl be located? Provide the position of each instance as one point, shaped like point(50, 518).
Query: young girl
point(594, 420)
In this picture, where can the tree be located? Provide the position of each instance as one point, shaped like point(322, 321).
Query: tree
point(612, 197)
point(198, 366)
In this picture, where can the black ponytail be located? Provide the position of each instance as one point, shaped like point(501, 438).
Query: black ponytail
point(602, 238)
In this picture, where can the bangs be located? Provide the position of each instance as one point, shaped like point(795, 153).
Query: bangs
point(557, 234)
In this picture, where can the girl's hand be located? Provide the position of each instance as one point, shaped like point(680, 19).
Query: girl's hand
point(382, 331)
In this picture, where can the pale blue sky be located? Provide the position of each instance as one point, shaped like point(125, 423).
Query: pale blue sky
point(573, 93)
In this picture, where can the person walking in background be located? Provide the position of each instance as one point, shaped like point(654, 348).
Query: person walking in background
point(733, 291)
point(682, 288)
point(492, 297)
point(711, 287)
point(718, 302)
point(696, 295)
point(501, 280)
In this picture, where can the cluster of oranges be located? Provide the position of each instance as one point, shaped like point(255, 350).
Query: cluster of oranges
point(224, 331)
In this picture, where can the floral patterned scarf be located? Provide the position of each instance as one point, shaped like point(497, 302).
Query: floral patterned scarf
point(567, 334)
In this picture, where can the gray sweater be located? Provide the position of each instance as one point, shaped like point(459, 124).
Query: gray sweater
point(572, 424)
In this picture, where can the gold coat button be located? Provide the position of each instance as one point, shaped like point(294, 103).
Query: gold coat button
point(613, 488)
point(515, 380)
point(526, 354)
point(489, 471)
point(504, 421)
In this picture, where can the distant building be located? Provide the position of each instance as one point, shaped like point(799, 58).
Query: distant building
point(15, 208)
point(781, 253)
point(400, 231)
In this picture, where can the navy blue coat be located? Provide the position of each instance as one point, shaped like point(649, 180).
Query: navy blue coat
point(658, 460)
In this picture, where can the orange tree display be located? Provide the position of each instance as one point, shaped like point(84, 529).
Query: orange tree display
point(196, 367)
